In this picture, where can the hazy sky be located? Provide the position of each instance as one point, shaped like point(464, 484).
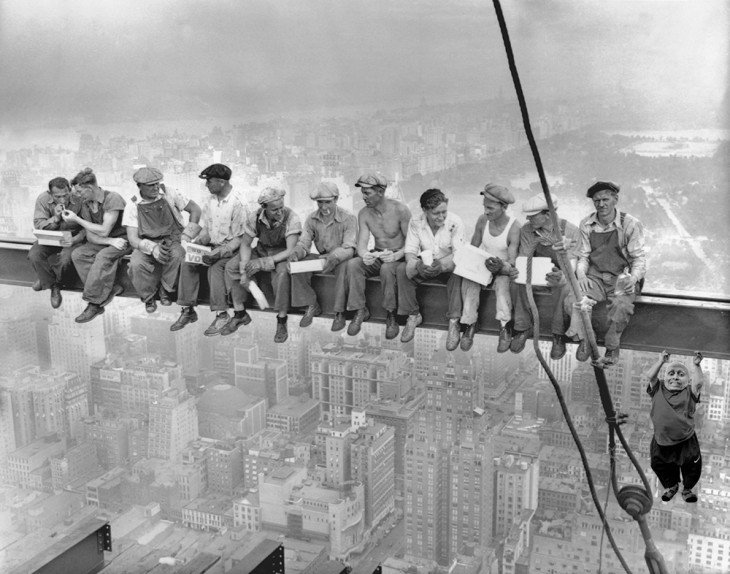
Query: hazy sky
point(63, 60)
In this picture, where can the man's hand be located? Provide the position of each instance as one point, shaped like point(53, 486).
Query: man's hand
point(665, 357)
point(293, 258)
point(330, 262)
point(161, 254)
point(58, 212)
point(118, 243)
point(434, 270)
point(387, 256)
point(513, 273)
point(212, 257)
point(66, 242)
point(494, 264)
point(253, 267)
point(369, 258)
point(697, 358)
point(421, 268)
point(69, 216)
point(584, 283)
point(555, 277)
point(564, 245)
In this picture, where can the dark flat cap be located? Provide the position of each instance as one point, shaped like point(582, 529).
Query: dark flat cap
point(602, 186)
point(147, 175)
point(372, 180)
point(217, 170)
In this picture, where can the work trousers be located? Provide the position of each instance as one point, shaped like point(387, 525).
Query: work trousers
point(668, 461)
point(302, 294)
point(51, 264)
point(470, 292)
point(189, 284)
point(146, 273)
point(278, 278)
point(619, 308)
point(408, 301)
point(357, 274)
point(97, 267)
point(523, 313)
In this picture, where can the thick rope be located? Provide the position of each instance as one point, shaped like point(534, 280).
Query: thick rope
point(634, 501)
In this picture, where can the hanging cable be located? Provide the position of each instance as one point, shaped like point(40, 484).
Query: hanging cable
point(636, 501)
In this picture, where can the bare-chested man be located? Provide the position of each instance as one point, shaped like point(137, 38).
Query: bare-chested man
point(387, 221)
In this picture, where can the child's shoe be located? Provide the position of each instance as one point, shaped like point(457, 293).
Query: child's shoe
point(669, 493)
point(688, 495)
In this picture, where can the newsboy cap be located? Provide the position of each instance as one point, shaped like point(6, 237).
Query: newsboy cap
point(537, 203)
point(217, 170)
point(372, 180)
point(270, 194)
point(325, 190)
point(601, 186)
point(498, 193)
point(147, 175)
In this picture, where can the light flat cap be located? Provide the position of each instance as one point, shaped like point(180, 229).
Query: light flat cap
point(147, 175)
point(325, 190)
point(498, 193)
point(371, 180)
point(270, 194)
point(537, 203)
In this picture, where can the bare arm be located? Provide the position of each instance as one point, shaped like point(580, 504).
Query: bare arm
point(245, 251)
point(363, 234)
point(291, 243)
point(698, 377)
point(653, 372)
point(194, 210)
point(102, 229)
point(405, 220)
point(133, 236)
point(476, 239)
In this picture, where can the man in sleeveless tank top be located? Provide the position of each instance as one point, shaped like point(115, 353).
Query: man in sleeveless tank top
point(155, 230)
point(499, 234)
point(277, 229)
point(610, 246)
point(674, 448)
point(97, 258)
point(537, 238)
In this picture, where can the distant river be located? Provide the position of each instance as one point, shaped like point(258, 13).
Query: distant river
point(709, 134)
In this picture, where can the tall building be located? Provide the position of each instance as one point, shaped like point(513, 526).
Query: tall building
point(260, 377)
point(111, 437)
point(75, 346)
point(337, 448)
point(515, 490)
point(45, 403)
point(76, 465)
point(372, 462)
point(7, 426)
point(225, 467)
point(173, 424)
point(347, 376)
point(18, 343)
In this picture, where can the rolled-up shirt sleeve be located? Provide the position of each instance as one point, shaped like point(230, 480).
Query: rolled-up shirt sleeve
point(294, 225)
point(413, 239)
point(583, 250)
point(635, 246)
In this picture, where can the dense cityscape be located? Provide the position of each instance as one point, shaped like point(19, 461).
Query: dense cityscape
point(356, 449)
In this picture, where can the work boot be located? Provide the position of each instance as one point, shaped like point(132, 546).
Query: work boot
point(339, 322)
point(669, 493)
point(454, 335)
point(91, 311)
point(519, 338)
point(282, 334)
point(217, 325)
point(187, 315)
point(611, 357)
point(311, 312)
point(391, 326)
point(360, 316)
point(239, 318)
point(116, 290)
point(165, 299)
point(150, 305)
point(558, 349)
point(584, 351)
point(37, 285)
point(687, 495)
point(505, 338)
point(56, 298)
point(467, 340)
point(409, 330)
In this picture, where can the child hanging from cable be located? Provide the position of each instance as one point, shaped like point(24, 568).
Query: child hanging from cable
point(674, 447)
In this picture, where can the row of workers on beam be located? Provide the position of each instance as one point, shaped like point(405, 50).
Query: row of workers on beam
point(605, 246)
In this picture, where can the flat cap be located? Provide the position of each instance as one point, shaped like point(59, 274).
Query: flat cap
point(372, 180)
point(325, 190)
point(498, 193)
point(270, 194)
point(601, 186)
point(217, 170)
point(147, 175)
point(537, 203)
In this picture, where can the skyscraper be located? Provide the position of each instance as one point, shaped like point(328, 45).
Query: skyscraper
point(173, 424)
